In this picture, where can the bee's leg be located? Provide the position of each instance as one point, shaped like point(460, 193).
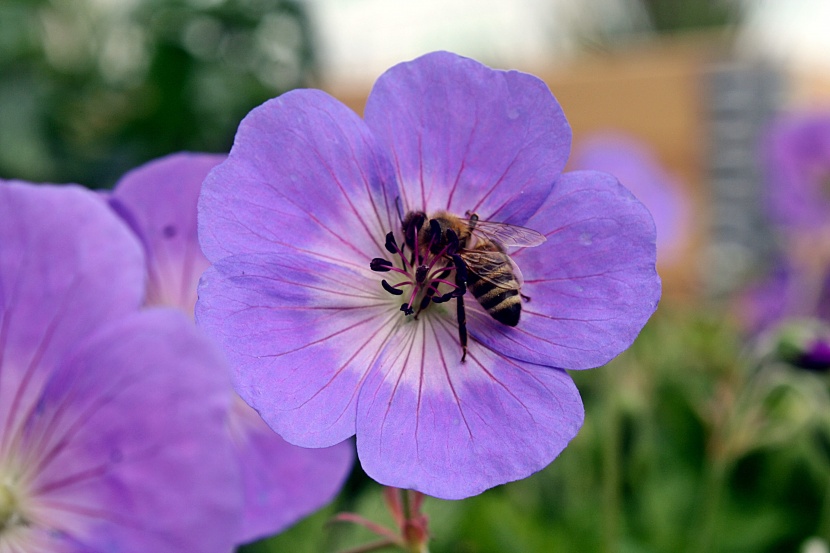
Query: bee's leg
point(461, 313)
point(462, 325)
point(526, 298)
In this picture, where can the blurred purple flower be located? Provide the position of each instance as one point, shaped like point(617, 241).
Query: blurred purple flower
point(112, 433)
point(282, 482)
point(796, 157)
point(815, 357)
point(636, 167)
point(787, 292)
point(304, 203)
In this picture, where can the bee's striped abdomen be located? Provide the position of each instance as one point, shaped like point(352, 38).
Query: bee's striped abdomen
point(503, 304)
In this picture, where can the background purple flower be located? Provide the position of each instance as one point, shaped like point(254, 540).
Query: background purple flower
point(637, 168)
point(303, 204)
point(282, 482)
point(796, 158)
point(112, 432)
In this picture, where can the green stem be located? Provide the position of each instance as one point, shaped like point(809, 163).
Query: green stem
point(713, 492)
point(406, 504)
point(611, 470)
point(407, 501)
point(824, 520)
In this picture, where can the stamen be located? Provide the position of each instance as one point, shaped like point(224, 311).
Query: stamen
point(391, 245)
point(434, 233)
point(389, 288)
point(427, 270)
point(452, 242)
point(380, 265)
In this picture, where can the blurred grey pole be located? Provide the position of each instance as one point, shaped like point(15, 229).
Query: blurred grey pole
point(741, 99)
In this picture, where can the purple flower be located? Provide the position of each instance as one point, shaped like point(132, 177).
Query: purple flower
point(796, 157)
point(789, 291)
point(815, 357)
point(112, 433)
point(301, 223)
point(282, 482)
point(636, 167)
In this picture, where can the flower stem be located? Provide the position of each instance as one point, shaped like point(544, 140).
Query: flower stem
point(715, 478)
point(611, 469)
point(824, 519)
point(414, 527)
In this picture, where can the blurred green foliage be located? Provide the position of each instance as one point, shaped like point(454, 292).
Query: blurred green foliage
point(692, 442)
point(676, 15)
point(92, 88)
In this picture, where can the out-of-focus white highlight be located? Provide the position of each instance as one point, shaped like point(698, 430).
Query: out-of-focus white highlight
point(359, 39)
point(789, 32)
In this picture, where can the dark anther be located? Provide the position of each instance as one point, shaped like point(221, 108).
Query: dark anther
point(411, 224)
point(380, 265)
point(445, 297)
point(421, 274)
point(452, 242)
point(434, 231)
point(407, 309)
point(391, 245)
point(424, 303)
point(389, 288)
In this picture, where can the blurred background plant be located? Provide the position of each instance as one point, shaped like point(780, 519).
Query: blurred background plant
point(712, 433)
point(92, 88)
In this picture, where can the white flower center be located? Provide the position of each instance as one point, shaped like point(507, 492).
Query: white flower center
point(11, 513)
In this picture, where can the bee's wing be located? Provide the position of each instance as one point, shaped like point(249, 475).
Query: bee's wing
point(507, 235)
point(495, 267)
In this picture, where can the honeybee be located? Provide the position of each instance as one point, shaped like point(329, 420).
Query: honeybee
point(477, 250)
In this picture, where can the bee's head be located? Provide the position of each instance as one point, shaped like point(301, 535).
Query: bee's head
point(411, 225)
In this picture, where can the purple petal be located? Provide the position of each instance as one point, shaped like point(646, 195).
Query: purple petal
point(449, 429)
point(763, 304)
point(128, 445)
point(301, 334)
point(592, 284)
point(467, 137)
point(636, 167)
point(67, 266)
point(283, 482)
point(796, 155)
point(159, 201)
point(304, 171)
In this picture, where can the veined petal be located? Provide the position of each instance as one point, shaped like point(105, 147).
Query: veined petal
point(67, 266)
point(128, 447)
point(158, 200)
point(283, 482)
point(449, 429)
point(301, 334)
point(467, 137)
point(636, 167)
point(304, 170)
point(592, 284)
